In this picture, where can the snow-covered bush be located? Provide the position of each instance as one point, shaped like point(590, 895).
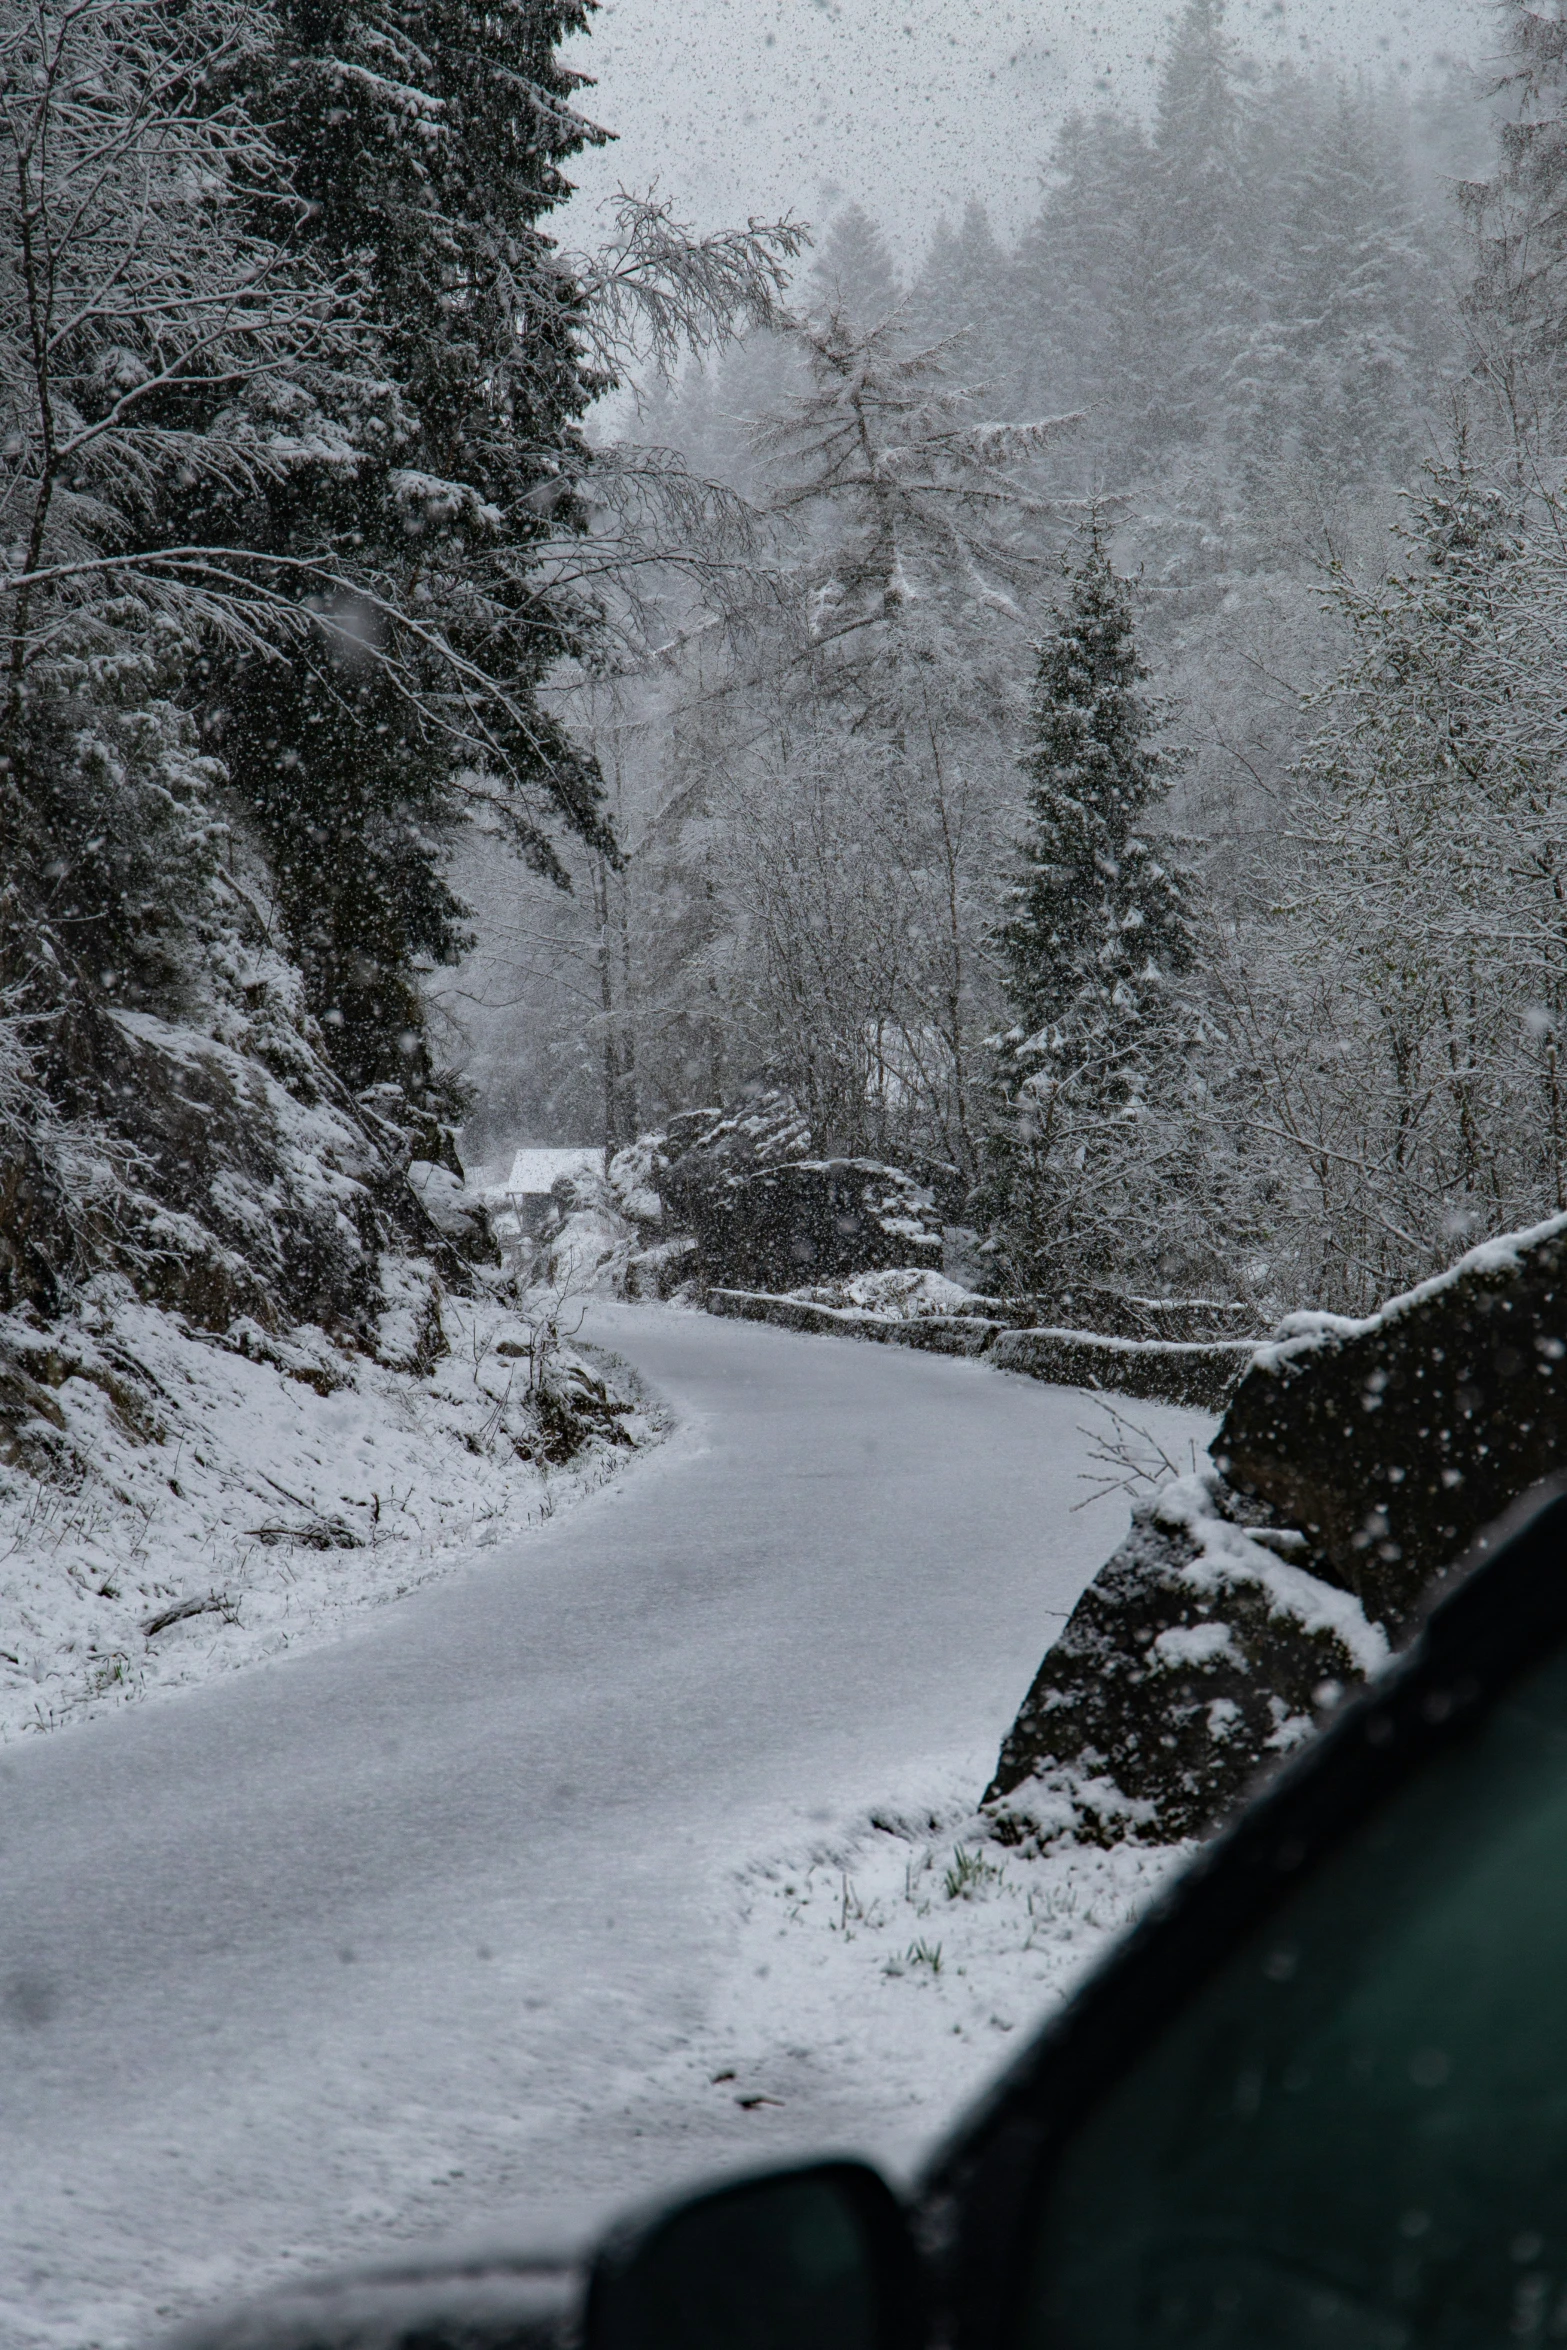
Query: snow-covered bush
point(905, 1293)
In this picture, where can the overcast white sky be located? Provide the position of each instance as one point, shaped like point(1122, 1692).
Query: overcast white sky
point(755, 106)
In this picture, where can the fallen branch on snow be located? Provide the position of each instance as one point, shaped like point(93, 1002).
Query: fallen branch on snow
point(215, 1603)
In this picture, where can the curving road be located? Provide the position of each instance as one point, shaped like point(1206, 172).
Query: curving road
point(391, 1937)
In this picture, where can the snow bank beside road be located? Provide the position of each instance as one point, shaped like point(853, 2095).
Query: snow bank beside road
point(206, 1504)
point(444, 1916)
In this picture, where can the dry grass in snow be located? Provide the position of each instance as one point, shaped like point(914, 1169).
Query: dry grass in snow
point(907, 1956)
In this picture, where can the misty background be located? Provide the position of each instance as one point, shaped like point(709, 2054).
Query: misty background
point(803, 105)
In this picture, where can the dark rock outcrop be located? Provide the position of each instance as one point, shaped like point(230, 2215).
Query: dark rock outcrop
point(1201, 1650)
point(1356, 1463)
point(238, 1185)
point(701, 1152)
point(659, 1271)
point(1390, 1443)
point(766, 1215)
point(814, 1219)
point(241, 1187)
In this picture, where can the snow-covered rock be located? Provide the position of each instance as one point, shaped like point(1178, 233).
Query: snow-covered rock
point(662, 1270)
point(826, 1219)
point(454, 1210)
point(588, 1253)
point(1200, 1651)
point(1392, 1442)
point(906, 1292)
point(632, 1177)
point(1355, 1463)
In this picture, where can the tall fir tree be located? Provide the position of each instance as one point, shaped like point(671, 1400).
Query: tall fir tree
point(1097, 921)
point(964, 288)
point(428, 138)
point(854, 276)
point(1332, 379)
point(1519, 217)
point(1077, 273)
point(1179, 341)
point(1096, 936)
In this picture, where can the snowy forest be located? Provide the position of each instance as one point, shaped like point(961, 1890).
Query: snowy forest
point(1118, 761)
point(783, 1153)
point(1079, 720)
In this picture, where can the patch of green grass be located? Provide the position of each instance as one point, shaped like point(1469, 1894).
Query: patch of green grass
point(969, 1874)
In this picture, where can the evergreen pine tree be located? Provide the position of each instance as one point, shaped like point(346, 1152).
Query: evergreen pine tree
point(963, 288)
point(1520, 220)
point(1077, 275)
point(1097, 922)
point(853, 276)
point(428, 138)
point(1097, 933)
point(1195, 199)
point(1332, 379)
point(1428, 900)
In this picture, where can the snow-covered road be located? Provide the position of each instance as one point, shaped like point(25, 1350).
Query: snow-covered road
point(399, 1935)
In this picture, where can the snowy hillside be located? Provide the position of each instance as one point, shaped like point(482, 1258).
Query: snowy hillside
point(207, 1503)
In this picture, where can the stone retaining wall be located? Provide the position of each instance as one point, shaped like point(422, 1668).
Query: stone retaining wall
point(1158, 1370)
point(1161, 1370)
point(941, 1334)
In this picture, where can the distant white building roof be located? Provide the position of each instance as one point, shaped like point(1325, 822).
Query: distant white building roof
point(534, 1173)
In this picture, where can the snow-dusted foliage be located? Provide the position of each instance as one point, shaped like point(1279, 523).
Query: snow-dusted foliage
point(155, 325)
point(1406, 1007)
point(842, 769)
point(905, 1949)
point(1096, 924)
point(277, 593)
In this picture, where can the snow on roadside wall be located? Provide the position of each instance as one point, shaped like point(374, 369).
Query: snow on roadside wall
point(908, 1293)
point(1164, 1370)
point(1158, 1370)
